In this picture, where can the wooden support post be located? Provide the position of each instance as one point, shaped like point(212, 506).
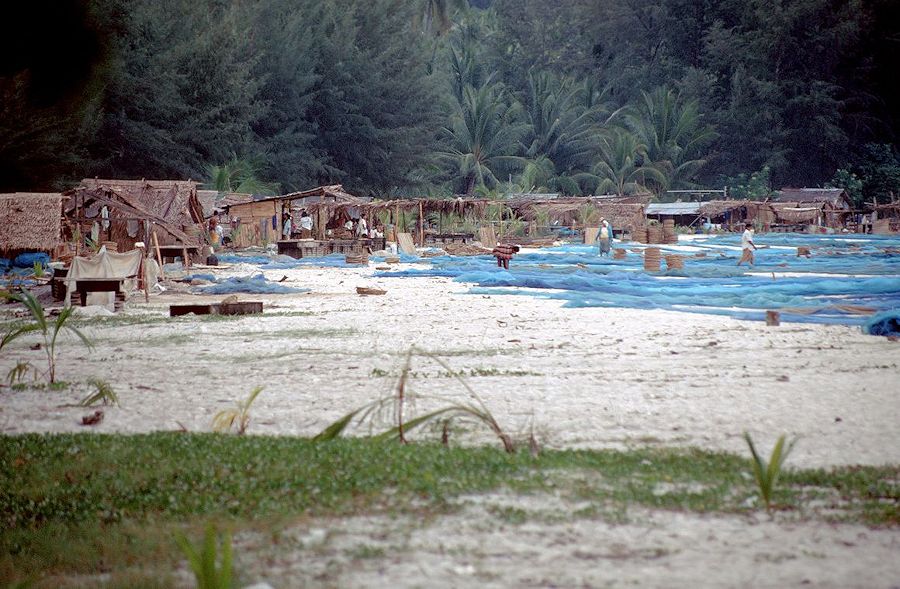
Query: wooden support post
point(421, 224)
point(159, 258)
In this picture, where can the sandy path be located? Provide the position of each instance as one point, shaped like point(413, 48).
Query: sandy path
point(585, 377)
point(591, 377)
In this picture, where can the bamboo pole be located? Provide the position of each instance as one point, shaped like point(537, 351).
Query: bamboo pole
point(421, 224)
point(162, 272)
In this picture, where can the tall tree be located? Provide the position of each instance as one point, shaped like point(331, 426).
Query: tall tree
point(622, 166)
point(376, 108)
point(181, 92)
point(483, 137)
point(562, 128)
point(675, 137)
point(434, 17)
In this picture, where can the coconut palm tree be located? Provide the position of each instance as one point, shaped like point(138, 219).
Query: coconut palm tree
point(620, 167)
point(674, 135)
point(562, 128)
point(483, 136)
point(239, 175)
point(434, 16)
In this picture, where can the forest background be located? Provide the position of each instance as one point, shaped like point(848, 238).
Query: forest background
point(437, 97)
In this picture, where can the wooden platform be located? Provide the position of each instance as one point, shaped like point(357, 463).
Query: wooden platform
point(115, 285)
point(241, 308)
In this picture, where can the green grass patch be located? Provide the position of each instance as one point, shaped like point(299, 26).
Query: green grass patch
point(75, 504)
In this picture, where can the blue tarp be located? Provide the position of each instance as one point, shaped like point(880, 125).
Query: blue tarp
point(28, 260)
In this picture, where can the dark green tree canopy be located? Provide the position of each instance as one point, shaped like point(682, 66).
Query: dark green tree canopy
point(444, 96)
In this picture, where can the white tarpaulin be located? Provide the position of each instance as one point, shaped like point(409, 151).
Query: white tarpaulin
point(104, 265)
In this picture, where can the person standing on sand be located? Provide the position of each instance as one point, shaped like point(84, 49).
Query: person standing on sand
point(504, 253)
point(605, 237)
point(746, 244)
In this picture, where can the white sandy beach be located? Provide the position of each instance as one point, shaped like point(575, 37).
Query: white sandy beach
point(594, 378)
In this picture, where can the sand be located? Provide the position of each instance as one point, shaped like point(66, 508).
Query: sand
point(593, 378)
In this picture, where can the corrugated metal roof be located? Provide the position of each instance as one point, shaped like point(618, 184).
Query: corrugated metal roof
point(673, 208)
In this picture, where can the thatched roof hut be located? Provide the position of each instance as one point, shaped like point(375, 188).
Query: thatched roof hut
point(583, 211)
point(214, 202)
point(259, 222)
point(128, 210)
point(834, 198)
point(736, 212)
point(31, 221)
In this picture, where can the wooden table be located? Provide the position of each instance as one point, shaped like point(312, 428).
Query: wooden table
point(173, 251)
point(116, 285)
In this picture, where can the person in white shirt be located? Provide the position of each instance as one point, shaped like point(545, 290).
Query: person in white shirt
point(362, 229)
point(306, 225)
point(746, 244)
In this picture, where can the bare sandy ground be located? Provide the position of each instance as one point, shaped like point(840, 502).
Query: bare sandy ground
point(580, 377)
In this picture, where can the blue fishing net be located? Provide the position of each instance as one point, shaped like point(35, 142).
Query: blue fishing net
point(256, 284)
point(887, 323)
point(845, 280)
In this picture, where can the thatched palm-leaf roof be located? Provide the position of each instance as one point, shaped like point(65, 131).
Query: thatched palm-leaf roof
point(30, 221)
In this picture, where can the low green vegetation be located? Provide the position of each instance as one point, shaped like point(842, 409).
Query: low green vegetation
point(210, 571)
point(86, 504)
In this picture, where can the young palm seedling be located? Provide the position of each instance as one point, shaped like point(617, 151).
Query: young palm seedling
point(208, 573)
point(766, 474)
point(49, 330)
point(104, 395)
point(238, 416)
point(474, 408)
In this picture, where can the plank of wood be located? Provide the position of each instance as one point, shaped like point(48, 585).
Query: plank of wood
point(488, 237)
point(405, 241)
point(159, 258)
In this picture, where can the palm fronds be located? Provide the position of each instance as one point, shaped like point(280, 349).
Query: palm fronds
point(209, 573)
point(104, 395)
point(50, 331)
point(472, 408)
point(766, 473)
point(239, 415)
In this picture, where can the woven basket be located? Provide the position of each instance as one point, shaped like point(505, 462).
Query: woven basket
point(674, 262)
point(651, 259)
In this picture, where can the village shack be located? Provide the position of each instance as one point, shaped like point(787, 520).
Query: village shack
point(625, 214)
point(685, 214)
point(31, 222)
point(215, 203)
point(119, 213)
point(733, 215)
point(260, 222)
point(885, 218)
point(798, 209)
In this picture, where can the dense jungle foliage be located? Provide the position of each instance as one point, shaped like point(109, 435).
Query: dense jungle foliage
point(413, 97)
